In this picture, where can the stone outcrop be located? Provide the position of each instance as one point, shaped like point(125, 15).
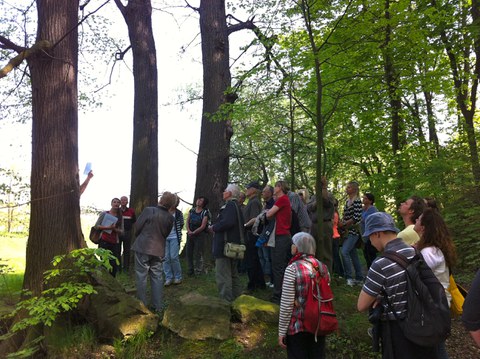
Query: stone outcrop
point(198, 317)
point(113, 312)
point(250, 309)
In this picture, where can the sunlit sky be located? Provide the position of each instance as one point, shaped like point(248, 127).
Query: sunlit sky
point(107, 131)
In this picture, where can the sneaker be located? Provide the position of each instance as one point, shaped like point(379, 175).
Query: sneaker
point(269, 284)
point(168, 283)
point(177, 281)
point(358, 282)
point(350, 282)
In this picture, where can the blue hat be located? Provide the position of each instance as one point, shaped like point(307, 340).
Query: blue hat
point(379, 222)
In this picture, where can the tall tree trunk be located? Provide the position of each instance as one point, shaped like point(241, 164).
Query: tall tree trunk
point(55, 211)
point(397, 127)
point(216, 131)
point(144, 180)
point(432, 130)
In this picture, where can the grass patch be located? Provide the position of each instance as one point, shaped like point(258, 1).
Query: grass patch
point(76, 342)
point(13, 251)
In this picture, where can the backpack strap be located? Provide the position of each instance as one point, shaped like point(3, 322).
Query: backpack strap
point(396, 257)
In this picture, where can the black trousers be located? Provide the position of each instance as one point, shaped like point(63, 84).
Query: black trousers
point(396, 346)
point(281, 255)
point(256, 279)
point(303, 346)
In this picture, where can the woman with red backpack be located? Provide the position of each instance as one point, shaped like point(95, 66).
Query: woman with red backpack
point(305, 294)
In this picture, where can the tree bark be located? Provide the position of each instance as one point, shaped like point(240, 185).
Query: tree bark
point(216, 130)
point(144, 178)
point(55, 211)
point(393, 87)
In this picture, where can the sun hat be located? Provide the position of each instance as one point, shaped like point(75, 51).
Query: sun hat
point(379, 222)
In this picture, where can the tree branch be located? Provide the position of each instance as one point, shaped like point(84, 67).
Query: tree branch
point(41, 45)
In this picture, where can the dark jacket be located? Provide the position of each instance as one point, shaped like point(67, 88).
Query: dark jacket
point(152, 228)
point(227, 223)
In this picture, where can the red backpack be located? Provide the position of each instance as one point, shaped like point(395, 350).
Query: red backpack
point(319, 316)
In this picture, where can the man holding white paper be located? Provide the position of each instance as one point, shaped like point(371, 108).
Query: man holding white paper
point(152, 228)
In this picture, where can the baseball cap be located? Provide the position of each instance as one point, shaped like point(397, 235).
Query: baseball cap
point(379, 222)
point(253, 184)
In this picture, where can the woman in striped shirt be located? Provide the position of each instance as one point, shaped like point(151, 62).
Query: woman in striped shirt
point(352, 215)
point(292, 334)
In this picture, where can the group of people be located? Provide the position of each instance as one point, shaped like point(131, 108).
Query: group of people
point(272, 243)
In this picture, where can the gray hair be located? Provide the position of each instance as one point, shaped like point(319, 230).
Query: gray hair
point(234, 190)
point(304, 242)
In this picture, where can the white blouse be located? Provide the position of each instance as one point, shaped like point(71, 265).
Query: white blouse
point(436, 261)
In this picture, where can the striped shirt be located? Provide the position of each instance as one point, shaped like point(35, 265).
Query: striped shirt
point(353, 211)
point(295, 288)
point(389, 276)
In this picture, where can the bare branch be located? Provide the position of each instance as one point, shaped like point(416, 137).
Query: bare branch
point(190, 6)
point(9, 45)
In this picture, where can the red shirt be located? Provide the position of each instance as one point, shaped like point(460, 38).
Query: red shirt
point(283, 218)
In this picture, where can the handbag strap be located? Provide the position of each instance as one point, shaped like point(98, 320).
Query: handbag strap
point(242, 239)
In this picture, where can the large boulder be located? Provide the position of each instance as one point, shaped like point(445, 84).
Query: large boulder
point(250, 309)
point(198, 317)
point(115, 313)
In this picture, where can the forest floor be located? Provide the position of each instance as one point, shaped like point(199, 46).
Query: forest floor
point(249, 345)
point(252, 341)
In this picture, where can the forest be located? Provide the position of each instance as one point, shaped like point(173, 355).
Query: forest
point(381, 92)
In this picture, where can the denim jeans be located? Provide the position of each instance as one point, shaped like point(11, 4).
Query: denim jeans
point(350, 255)
point(171, 266)
point(265, 261)
point(149, 266)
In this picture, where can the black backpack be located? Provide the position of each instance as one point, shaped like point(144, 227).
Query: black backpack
point(427, 322)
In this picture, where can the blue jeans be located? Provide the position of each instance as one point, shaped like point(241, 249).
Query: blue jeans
point(171, 266)
point(265, 261)
point(350, 255)
point(149, 266)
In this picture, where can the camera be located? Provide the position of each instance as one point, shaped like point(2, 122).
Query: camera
point(375, 314)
